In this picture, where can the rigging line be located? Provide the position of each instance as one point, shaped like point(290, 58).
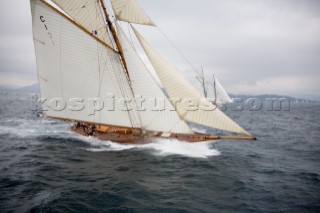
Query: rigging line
point(121, 84)
point(122, 90)
point(120, 24)
point(180, 119)
point(152, 75)
point(129, 25)
point(131, 40)
point(114, 78)
point(165, 94)
point(181, 54)
point(187, 60)
point(177, 123)
point(130, 86)
point(131, 89)
point(154, 118)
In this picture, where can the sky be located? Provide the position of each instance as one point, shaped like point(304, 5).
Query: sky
point(252, 46)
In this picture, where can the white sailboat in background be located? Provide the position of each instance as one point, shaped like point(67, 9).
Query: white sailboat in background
point(214, 91)
point(83, 57)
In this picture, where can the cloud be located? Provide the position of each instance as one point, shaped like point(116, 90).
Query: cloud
point(257, 46)
point(245, 42)
point(17, 58)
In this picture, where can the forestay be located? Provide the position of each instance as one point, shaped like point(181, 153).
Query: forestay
point(178, 88)
point(158, 114)
point(130, 11)
point(88, 14)
point(73, 65)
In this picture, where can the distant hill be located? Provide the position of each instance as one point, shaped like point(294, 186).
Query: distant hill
point(27, 89)
point(30, 89)
point(261, 96)
point(264, 97)
point(4, 88)
point(7, 88)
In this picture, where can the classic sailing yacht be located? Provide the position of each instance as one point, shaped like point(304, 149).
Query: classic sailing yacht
point(213, 91)
point(90, 74)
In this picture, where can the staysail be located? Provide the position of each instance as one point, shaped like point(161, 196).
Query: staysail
point(88, 14)
point(130, 11)
point(178, 88)
point(163, 119)
point(76, 71)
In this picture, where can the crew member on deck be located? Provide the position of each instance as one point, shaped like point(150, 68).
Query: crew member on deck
point(93, 129)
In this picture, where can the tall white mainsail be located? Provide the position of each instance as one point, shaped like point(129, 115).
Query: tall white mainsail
point(164, 119)
point(178, 88)
point(130, 11)
point(88, 14)
point(73, 65)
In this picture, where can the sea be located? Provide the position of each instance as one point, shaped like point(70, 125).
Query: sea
point(44, 167)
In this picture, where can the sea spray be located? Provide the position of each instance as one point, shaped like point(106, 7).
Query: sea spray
point(160, 147)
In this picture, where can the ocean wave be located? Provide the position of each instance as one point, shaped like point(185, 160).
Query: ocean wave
point(33, 128)
point(44, 129)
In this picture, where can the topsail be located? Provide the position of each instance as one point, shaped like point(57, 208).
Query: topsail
point(130, 11)
point(88, 14)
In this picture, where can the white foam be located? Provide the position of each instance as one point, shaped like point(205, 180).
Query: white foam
point(166, 147)
point(160, 147)
point(32, 128)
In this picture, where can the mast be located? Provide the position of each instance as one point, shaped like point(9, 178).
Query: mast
point(115, 37)
point(200, 78)
point(215, 90)
point(203, 84)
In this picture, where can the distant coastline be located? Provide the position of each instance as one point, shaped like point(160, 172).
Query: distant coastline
point(36, 89)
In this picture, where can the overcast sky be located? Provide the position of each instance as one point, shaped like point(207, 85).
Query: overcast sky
point(252, 46)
